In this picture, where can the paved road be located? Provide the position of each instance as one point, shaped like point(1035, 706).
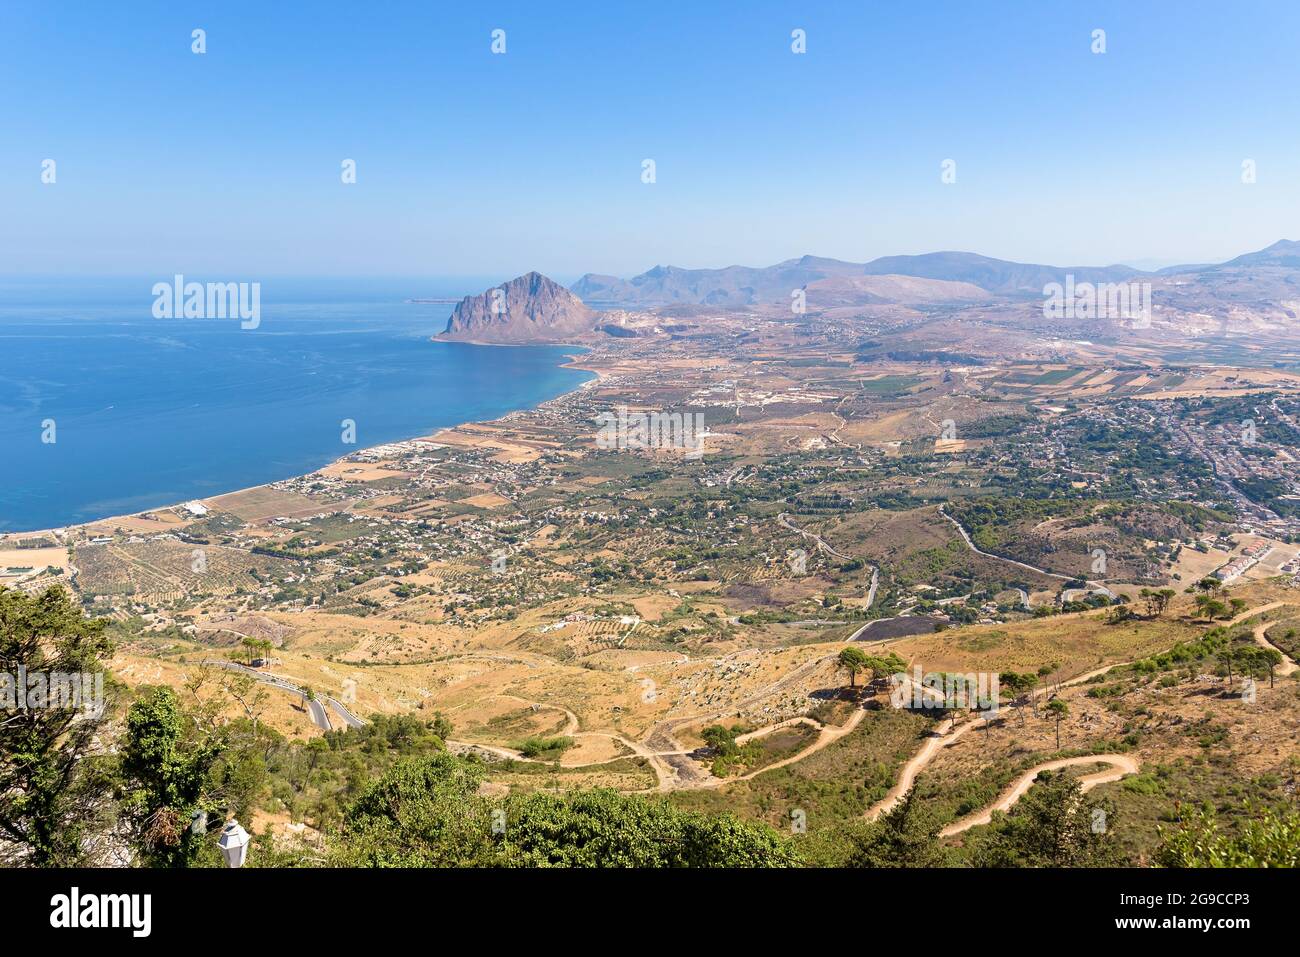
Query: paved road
point(319, 717)
point(316, 709)
point(350, 719)
point(1095, 585)
point(826, 547)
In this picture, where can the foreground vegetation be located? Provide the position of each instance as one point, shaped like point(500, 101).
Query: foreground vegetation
point(391, 794)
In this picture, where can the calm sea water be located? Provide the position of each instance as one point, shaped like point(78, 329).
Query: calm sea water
point(150, 412)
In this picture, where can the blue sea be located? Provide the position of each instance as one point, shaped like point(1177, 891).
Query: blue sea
point(150, 412)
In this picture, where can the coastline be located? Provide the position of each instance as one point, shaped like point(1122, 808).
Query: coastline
point(62, 533)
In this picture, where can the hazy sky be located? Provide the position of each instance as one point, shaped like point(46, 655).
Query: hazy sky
point(227, 164)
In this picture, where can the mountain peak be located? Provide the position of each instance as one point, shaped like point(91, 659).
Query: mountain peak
point(528, 308)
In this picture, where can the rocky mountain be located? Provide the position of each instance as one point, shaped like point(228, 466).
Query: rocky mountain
point(531, 308)
point(1252, 294)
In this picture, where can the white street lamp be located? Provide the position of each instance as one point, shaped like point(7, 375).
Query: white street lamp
point(233, 843)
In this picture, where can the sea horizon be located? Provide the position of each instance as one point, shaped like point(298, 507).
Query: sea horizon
point(106, 410)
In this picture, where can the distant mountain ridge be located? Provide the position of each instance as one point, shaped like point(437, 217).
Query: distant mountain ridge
point(749, 285)
point(995, 275)
point(1284, 253)
point(731, 285)
point(534, 309)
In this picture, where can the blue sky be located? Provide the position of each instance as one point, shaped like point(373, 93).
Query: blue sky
point(477, 164)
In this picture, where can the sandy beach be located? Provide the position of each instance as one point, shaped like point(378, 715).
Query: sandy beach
point(163, 518)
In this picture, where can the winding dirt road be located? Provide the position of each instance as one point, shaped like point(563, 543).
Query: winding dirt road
point(1096, 585)
point(1121, 765)
point(666, 761)
point(1287, 666)
point(915, 765)
point(825, 546)
point(827, 734)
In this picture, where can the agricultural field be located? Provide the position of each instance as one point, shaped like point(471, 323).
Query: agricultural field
point(168, 571)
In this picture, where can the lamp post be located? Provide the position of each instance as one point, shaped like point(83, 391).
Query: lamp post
point(233, 843)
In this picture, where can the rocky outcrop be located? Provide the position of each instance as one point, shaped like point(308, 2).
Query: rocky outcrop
point(530, 308)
